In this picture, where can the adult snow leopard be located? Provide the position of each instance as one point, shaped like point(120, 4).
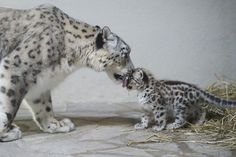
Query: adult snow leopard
point(39, 47)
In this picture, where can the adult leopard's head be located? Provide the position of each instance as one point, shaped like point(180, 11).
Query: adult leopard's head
point(112, 55)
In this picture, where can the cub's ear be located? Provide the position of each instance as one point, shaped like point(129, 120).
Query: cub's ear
point(143, 75)
point(145, 78)
point(106, 32)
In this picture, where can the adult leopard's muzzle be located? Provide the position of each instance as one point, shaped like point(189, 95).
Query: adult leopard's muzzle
point(127, 65)
point(117, 72)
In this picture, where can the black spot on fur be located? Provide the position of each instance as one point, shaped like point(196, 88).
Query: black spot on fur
point(75, 27)
point(48, 109)
point(86, 25)
point(84, 30)
point(161, 122)
point(30, 54)
point(18, 48)
point(13, 102)
point(89, 36)
point(69, 32)
point(211, 97)
point(6, 61)
point(6, 67)
point(10, 93)
point(161, 114)
point(36, 101)
point(77, 36)
point(17, 61)
point(224, 102)
point(48, 42)
point(14, 79)
point(191, 95)
point(218, 100)
point(39, 62)
point(3, 89)
point(9, 116)
point(22, 91)
point(176, 93)
point(42, 16)
point(197, 94)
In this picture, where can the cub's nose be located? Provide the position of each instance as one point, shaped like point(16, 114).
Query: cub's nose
point(129, 87)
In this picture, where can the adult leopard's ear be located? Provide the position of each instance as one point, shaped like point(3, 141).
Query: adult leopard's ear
point(106, 32)
point(102, 37)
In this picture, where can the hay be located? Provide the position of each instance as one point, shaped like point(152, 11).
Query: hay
point(218, 130)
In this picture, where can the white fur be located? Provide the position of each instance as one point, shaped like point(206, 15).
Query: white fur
point(49, 79)
point(143, 103)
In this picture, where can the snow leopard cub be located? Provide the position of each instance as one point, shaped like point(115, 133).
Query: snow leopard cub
point(162, 100)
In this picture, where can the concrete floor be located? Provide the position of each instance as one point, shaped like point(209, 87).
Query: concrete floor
point(101, 133)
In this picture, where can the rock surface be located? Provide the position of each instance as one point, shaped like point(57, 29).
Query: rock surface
point(101, 133)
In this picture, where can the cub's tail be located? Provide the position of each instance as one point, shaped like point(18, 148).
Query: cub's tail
point(211, 98)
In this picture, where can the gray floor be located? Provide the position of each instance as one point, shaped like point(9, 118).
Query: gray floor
point(101, 133)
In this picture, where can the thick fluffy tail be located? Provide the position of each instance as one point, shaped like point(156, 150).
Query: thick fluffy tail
point(211, 98)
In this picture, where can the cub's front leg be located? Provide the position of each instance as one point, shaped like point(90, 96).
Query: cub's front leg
point(160, 117)
point(145, 121)
point(43, 115)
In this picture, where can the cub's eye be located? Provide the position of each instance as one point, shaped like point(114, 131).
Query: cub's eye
point(123, 49)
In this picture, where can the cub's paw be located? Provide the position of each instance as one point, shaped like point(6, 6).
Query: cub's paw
point(64, 125)
point(140, 126)
point(170, 126)
point(174, 126)
point(157, 128)
point(12, 134)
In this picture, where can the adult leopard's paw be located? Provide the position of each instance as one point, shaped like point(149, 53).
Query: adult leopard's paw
point(12, 134)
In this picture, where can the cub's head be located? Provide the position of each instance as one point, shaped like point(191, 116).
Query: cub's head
point(135, 79)
point(112, 55)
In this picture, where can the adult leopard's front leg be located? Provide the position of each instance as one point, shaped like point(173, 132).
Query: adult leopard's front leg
point(12, 91)
point(43, 115)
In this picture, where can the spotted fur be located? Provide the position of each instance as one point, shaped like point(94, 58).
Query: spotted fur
point(39, 47)
point(164, 100)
